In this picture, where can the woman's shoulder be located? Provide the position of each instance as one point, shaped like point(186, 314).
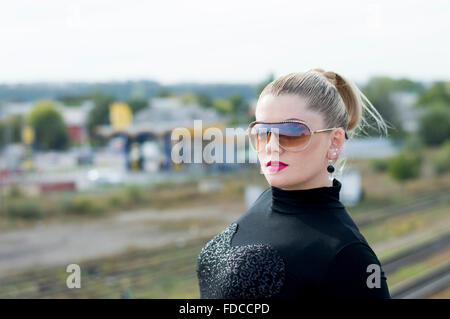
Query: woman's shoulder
point(347, 230)
point(259, 204)
point(356, 272)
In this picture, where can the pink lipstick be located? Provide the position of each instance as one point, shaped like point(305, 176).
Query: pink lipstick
point(275, 166)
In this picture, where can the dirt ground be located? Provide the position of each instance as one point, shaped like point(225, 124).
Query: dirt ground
point(66, 243)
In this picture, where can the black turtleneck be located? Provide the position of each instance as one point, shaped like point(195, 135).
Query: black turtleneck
point(291, 244)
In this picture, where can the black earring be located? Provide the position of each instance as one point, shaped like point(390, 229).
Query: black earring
point(330, 167)
point(330, 170)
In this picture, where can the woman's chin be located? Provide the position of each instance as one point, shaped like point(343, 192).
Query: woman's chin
point(277, 181)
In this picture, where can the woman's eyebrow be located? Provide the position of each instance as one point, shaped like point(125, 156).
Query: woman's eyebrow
point(293, 119)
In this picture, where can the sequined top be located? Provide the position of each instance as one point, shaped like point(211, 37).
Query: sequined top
point(291, 244)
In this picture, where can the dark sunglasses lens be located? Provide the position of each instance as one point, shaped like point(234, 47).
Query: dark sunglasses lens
point(290, 135)
point(294, 135)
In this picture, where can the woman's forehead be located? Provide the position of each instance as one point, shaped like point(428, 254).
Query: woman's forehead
point(281, 108)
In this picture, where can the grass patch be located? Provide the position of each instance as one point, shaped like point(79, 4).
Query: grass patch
point(417, 268)
point(404, 224)
point(166, 272)
point(385, 254)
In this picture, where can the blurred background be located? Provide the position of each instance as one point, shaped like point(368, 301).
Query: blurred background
point(90, 92)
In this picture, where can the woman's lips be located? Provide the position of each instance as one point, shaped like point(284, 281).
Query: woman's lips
point(275, 166)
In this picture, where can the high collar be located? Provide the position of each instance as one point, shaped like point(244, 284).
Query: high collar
point(298, 201)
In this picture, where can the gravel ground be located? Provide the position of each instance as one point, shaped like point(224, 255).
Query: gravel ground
point(66, 243)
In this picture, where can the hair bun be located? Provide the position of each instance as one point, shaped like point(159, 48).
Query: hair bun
point(331, 76)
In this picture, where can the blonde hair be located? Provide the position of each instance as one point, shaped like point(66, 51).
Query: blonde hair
point(338, 100)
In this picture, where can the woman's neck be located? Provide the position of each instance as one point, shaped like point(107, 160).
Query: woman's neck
point(316, 182)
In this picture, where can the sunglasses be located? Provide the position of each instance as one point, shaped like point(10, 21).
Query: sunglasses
point(292, 135)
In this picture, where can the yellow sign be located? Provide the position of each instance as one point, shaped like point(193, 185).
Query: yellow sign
point(27, 134)
point(120, 116)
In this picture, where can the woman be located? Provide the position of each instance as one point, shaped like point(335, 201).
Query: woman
point(297, 240)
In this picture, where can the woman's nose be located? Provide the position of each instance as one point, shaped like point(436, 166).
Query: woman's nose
point(272, 143)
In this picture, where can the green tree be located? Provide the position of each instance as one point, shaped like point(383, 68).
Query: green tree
point(406, 165)
point(49, 127)
point(438, 93)
point(137, 104)
point(72, 100)
point(165, 93)
point(378, 90)
point(188, 97)
point(11, 128)
point(205, 100)
point(222, 105)
point(239, 109)
point(404, 84)
point(441, 158)
point(434, 124)
point(98, 115)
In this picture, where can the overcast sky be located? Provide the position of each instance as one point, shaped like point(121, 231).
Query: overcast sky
point(221, 41)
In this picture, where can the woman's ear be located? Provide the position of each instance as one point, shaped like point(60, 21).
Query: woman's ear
point(337, 141)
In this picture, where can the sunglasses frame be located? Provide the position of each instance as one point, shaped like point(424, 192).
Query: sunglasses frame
point(250, 126)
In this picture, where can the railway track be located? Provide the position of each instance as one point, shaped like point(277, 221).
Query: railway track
point(424, 286)
point(417, 253)
point(137, 264)
point(424, 201)
point(138, 269)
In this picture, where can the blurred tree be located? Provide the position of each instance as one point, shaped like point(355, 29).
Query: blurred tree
point(408, 85)
point(222, 105)
point(165, 93)
point(406, 165)
point(138, 92)
point(378, 91)
point(434, 124)
point(239, 109)
point(137, 104)
point(239, 105)
point(72, 100)
point(98, 115)
point(379, 164)
point(189, 97)
point(439, 92)
point(49, 127)
point(10, 129)
point(205, 100)
point(441, 159)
